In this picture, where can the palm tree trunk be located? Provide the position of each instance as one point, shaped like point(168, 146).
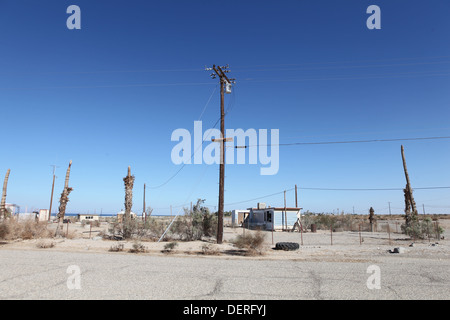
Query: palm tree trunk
point(3, 203)
point(63, 201)
point(410, 215)
point(129, 181)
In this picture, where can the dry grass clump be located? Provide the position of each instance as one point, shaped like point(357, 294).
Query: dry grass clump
point(28, 229)
point(116, 248)
point(138, 247)
point(45, 244)
point(210, 250)
point(168, 247)
point(252, 243)
point(71, 235)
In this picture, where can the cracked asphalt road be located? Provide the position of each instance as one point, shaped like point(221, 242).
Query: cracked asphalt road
point(29, 274)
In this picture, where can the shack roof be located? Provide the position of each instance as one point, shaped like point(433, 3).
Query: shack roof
point(279, 209)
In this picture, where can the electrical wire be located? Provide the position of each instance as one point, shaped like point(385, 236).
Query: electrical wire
point(331, 189)
point(350, 141)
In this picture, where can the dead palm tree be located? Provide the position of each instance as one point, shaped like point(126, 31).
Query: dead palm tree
point(129, 182)
point(3, 203)
point(63, 200)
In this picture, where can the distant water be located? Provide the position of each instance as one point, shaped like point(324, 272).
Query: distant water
point(106, 214)
point(100, 215)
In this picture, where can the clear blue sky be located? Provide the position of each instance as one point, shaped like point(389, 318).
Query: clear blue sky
point(109, 96)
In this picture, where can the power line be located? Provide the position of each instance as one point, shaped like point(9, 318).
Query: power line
point(109, 86)
point(262, 197)
point(332, 189)
point(184, 164)
point(229, 108)
point(246, 67)
point(195, 151)
point(348, 61)
point(207, 103)
point(350, 77)
point(371, 189)
point(144, 85)
point(350, 67)
point(351, 141)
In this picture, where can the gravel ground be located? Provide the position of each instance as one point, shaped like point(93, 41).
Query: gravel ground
point(318, 270)
point(44, 275)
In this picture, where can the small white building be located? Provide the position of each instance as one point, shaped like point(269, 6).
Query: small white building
point(42, 215)
point(88, 217)
point(12, 208)
point(122, 213)
point(238, 216)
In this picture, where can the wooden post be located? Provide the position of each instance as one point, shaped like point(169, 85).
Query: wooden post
point(296, 203)
point(144, 215)
point(51, 197)
point(438, 235)
point(331, 233)
point(243, 225)
point(90, 229)
point(389, 233)
point(273, 223)
point(360, 240)
point(285, 214)
point(301, 231)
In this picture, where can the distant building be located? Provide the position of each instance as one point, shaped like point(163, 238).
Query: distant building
point(42, 215)
point(12, 208)
point(88, 217)
point(122, 213)
point(238, 216)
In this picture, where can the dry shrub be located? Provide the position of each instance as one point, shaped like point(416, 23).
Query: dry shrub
point(252, 243)
point(208, 249)
point(116, 248)
point(4, 230)
point(138, 248)
point(27, 229)
point(71, 235)
point(168, 247)
point(45, 244)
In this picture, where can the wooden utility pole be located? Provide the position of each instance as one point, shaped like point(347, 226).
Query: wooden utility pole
point(296, 203)
point(224, 81)
point(51, 197)
point(285, 215)
point(144, 215)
